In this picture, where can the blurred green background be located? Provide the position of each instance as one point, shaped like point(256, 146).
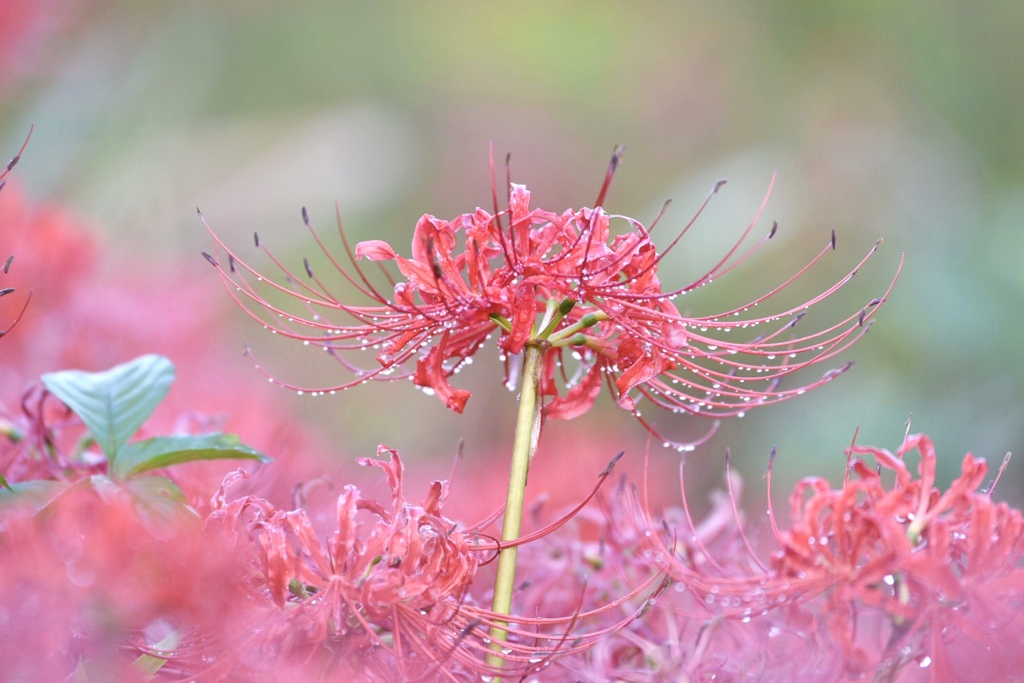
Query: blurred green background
point(900, 121)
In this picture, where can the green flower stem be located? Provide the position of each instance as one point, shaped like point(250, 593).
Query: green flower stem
point(527, 433)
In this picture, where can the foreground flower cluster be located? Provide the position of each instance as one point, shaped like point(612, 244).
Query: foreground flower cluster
point(900, 580)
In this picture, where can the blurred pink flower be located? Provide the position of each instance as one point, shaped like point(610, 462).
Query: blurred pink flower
point(588, 294)
point(24, 26)
point(945, 568)
point(391, 592)
point(902, 581)
point(383, 597)
point(86, 578)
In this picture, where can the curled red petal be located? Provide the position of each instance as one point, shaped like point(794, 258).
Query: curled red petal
point(375, 250)
point(579, 399)
point(430, 373)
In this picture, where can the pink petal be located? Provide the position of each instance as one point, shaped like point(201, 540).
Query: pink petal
point(375, 250)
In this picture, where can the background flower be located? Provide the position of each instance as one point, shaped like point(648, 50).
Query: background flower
point(899, 579)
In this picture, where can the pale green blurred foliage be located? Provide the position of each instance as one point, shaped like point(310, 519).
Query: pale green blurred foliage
point(899, 121)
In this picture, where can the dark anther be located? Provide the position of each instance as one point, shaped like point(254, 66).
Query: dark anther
point(7, 264)
point(212, 260)
point(608, 470)
point(617, 156)
point(874, 302)
point(256, 238)
point(718, 186)
point(468, 628)
point(6, 290)
point(231, 263)
point(305, 216)
point(860, 318)
point(12, 162)
point(798, 318)
point(775, 227)
point(833, 240)
point(309, 271)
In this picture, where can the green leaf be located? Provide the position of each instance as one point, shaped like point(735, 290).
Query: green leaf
point(3, 482)
point(115, 403)
point(164, 451)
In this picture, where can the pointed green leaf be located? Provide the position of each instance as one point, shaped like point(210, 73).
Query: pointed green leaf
point(115, 403)
point(3, 482)
point(164, 451)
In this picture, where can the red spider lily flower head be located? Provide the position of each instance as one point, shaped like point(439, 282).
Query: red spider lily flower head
point(582, 285)
point(387, 581)
point(902, 580)
point(945, 568)
point(393, 591)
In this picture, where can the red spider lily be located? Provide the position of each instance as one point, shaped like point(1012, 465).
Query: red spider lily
point(946, 568)
point(387, 595)
point(570, 283)
point(905, 581)
point(408, 573)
